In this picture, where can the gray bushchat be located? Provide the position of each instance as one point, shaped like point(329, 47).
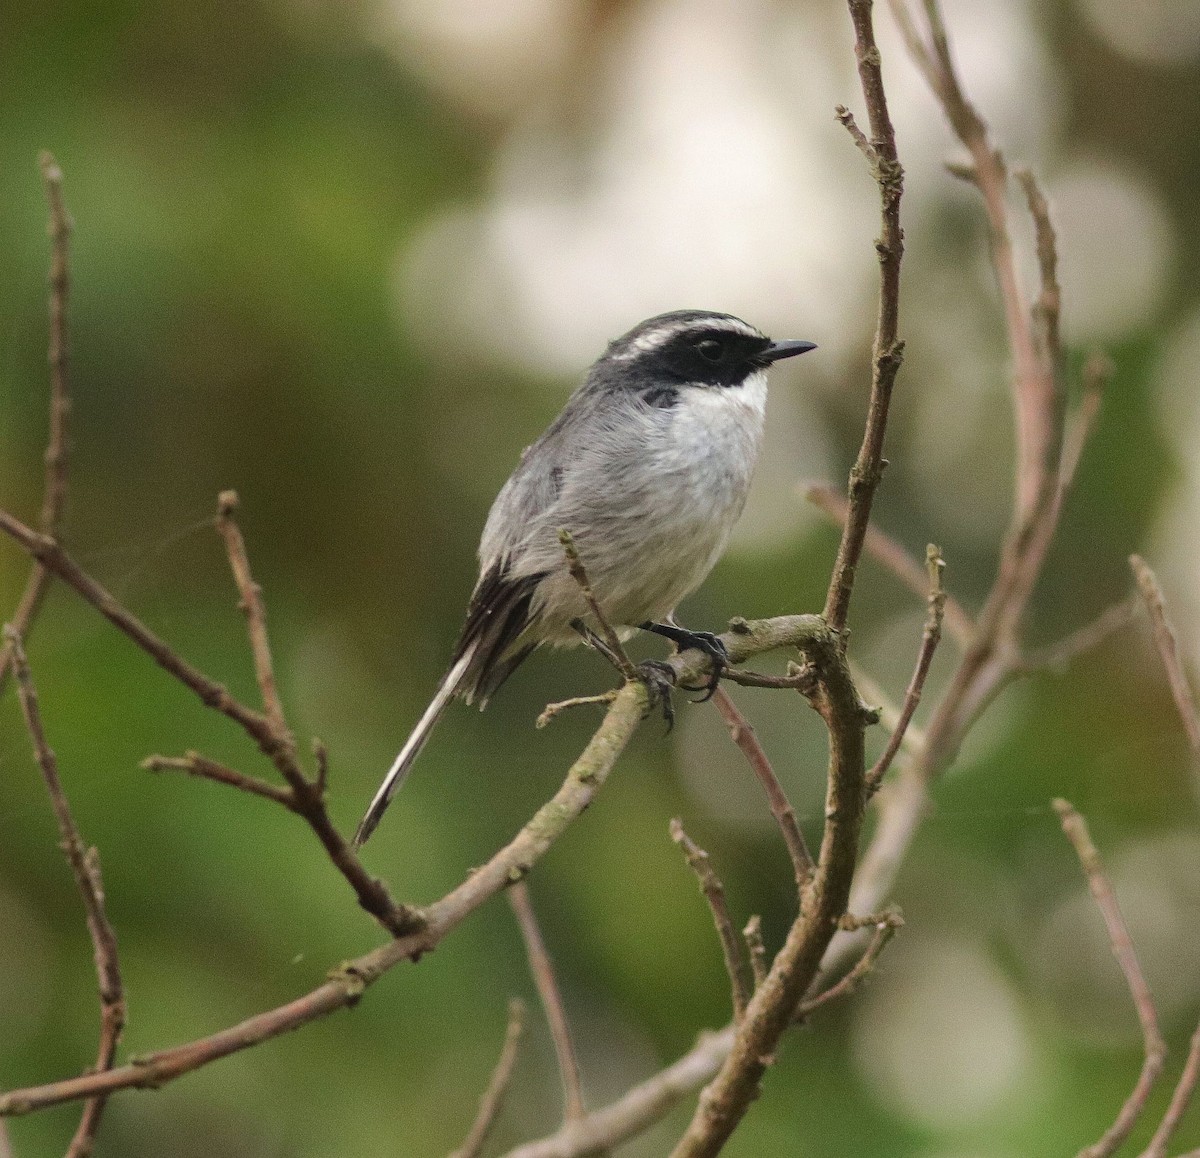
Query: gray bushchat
point(647, 467)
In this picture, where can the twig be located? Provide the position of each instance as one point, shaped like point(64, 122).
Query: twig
point(542, 969)
point(54, 488)
point(886, 925)
point(85, 865)
point(1164, 639)
point(349, 981)
point(195, 764)
point(550, 711)
point(1182, 1095)
point(888, 350)
point(757, 950)
point(579, 574)
point(1098, 369)
point(1101, 889)
point(746, 739)
point(321, 759)
point(1058, 655)
point(497, 1087)
point(799, 678)
point(885, 550)
point(372, 895)
point(1047, 308)
point(930, 639)
point(255, 611)
point(714, 893)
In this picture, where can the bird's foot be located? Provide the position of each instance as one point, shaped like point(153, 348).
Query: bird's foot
point(704, 641)
point(659, 679)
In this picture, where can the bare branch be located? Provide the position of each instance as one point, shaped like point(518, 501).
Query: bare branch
point(1168, 649)
point(195, 764)
point(1098, 370)
point(321, 759)
point(255, 610)
point(746, 739)
point(888, 350)
point(371, 893)
point(799, 678)
point(886, 925)
point(1101, 889)
point(347, 983)
point(54, 488)
point(757, 950)
point(575, 564)
point(542, 969)
point(85, 865)
point(846, 118)
point(930, 639)
point(1048, 307)
point(550, 711)
point(497, 1087)
point(714, 893)
point(1182, 1095)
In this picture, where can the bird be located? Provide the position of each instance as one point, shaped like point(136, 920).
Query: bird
point(647, 467)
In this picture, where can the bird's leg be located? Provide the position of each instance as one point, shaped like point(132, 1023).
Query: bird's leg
point(658, 677)
point(703, 641)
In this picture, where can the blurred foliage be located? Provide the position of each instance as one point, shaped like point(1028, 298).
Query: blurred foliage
point(242, 176)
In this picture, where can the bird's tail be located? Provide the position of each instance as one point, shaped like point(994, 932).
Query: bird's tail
point(450, 687)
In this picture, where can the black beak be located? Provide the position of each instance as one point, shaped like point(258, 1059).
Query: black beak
point(777, 350)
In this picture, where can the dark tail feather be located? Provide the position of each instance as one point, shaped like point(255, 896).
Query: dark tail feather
point(451, 685)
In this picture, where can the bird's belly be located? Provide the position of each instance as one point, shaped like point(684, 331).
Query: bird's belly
point(659, 534)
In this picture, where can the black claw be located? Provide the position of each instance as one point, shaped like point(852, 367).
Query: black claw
point(659, 679)
point(704, 641)
point(718, 656)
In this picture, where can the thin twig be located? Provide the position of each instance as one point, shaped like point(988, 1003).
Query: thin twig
point(1098, 370)
point(542, 969)
point(54, 487)
point(579, 574)
point(372, 895)
point(846, 118)
point(85, 865)
point(744, 736)
point(1168, 649)
point(195, 764)
point(714, 893)
point(886, 925)
point(799, 678)
point(1101, 889)
point(888, 350)
point(255, 611)
point(881, 547)
point(321, 760)
point(497, 1087)
point(1047, 308)
point(757, 950)
point(550, 711)
point(1182, 1095)
point(930, 639)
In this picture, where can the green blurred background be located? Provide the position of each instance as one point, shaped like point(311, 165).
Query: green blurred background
point(349, 259)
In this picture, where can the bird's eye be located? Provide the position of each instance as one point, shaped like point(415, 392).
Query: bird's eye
point(710, 349)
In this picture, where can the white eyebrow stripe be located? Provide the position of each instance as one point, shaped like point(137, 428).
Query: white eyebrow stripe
point(653, 339)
